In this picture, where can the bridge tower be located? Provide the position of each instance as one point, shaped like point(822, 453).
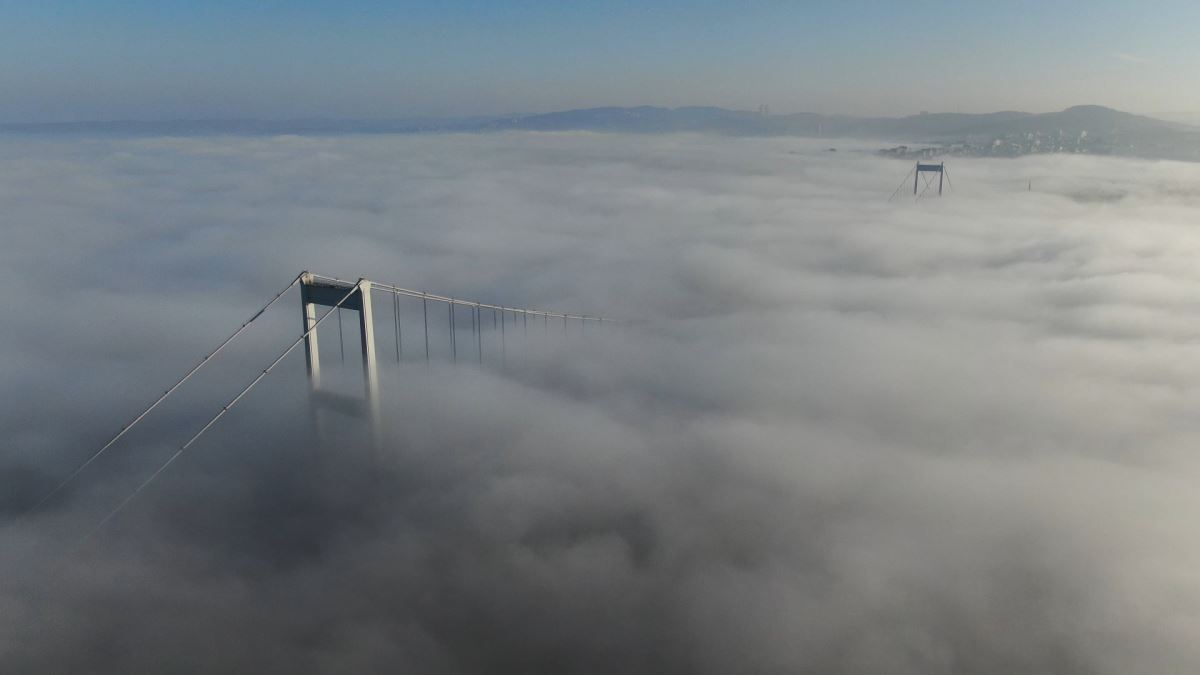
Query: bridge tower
point(939, 169)
point(350, 296)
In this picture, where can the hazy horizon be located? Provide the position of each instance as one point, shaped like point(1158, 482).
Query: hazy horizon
point(1185, 117)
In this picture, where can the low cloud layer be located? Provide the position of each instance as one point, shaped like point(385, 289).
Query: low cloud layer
point(839, 435)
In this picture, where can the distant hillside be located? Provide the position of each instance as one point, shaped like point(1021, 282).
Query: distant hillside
point(721, 120)
point(1085, 129)
point(642, 119)
point(1104, 130)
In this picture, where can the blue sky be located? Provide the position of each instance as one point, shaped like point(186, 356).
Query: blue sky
point(76, 60)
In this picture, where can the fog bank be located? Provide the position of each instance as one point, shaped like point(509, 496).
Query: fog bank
point(839, 435)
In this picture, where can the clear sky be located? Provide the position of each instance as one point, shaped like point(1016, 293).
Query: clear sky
point(168, 59)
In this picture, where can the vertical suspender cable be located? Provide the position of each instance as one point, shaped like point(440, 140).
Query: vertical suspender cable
point(341, 341)
point(396, 313)
point(425, 319)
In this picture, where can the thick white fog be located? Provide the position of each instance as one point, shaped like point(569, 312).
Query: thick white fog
point(838, 435)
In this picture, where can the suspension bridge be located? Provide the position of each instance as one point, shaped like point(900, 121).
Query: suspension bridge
point(926, 171)
point(320, 298)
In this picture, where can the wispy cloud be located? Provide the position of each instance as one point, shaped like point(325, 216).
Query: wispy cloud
point(1132, 58)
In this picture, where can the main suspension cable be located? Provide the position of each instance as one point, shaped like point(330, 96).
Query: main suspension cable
point(224, 409)
point(195, 369)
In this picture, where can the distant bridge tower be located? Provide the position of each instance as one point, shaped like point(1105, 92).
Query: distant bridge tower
point(927, 171)
point(939, 169)
point(354, 297)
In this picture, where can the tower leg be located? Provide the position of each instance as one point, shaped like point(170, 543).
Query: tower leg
point(312, 353)
point(366, 328)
